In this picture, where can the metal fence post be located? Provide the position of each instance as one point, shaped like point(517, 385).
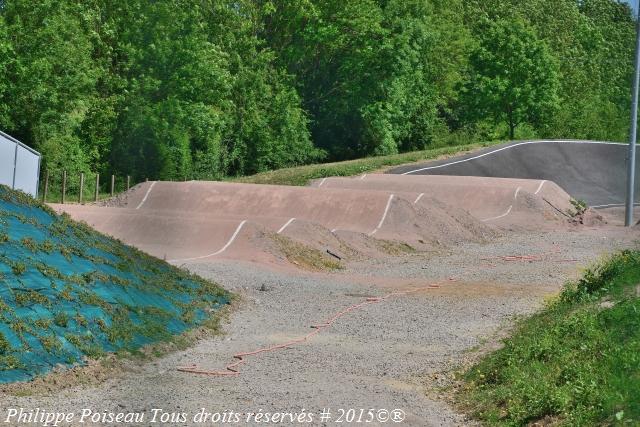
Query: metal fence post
point(64, 185)
point(113, 184)
point(633, 135)
point(46, 187)
point(81, 187)
point(128, 182)
point(15, 167)
point(97, 186)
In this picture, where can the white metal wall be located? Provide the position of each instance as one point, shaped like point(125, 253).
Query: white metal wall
point(19, 165)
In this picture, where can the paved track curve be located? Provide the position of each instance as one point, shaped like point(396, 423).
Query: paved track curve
point(592, 171)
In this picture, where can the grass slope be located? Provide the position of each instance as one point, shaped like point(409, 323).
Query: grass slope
point(301, 175)
point(68, 292)
point(577, 362)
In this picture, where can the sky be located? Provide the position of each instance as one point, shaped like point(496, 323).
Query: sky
point(633, 3)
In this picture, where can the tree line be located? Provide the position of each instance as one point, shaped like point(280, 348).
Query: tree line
point(202, 89)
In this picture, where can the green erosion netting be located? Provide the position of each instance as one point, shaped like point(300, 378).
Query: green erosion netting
point(67, 292)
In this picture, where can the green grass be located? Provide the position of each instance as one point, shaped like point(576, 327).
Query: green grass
point(72, 197)
point(72, 192)
point(301, 175)
point(577, 362)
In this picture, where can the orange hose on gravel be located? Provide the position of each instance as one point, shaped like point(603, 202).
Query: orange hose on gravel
point(232, 368)
point(532, 257)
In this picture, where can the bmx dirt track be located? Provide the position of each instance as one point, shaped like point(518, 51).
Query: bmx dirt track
point(196, 221)
point(508, 243)
point(518, 186)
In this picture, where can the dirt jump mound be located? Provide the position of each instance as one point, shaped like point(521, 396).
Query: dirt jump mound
point(196, 221)
point(498, 202)
point(517, 186)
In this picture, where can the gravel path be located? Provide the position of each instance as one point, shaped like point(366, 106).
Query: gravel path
point(381, 357)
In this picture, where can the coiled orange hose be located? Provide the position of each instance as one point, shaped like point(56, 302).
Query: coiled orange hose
point(232, 368)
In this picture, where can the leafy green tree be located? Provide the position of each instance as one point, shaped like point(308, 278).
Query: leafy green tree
point(513, 77)
point(6, 55)
point(174, 76)
point(592, 42)
point(52, 78)
point(373, 75)
point(429, 46)
point(203, 89)
point(204, 98)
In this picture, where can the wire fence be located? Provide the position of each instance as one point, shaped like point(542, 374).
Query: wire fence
point(64, 187)
point(19, 165)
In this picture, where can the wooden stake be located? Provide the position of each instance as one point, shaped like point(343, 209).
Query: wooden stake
point(128, 182)
point(97, 186)
point(113, 184)
point(64, 186)
point(46, 188)
point(81, 187)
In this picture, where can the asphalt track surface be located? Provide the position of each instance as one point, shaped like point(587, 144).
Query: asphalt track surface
point(588, 170)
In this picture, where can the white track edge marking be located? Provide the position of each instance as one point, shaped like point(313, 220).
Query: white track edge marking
point(501, 216)
point(418, 199)
point(144, 199)
point(540, 187)
point(384, 216)
point(224, 248)
point(286, 225)
point(515, 197)
point(322, 182)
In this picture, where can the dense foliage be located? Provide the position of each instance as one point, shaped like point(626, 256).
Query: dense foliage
point(209, 88)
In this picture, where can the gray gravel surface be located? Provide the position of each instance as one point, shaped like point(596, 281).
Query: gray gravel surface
point(380, 357)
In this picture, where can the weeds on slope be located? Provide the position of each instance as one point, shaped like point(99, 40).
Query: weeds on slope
point(577, 362)
point(304, 256)
point(68, 293)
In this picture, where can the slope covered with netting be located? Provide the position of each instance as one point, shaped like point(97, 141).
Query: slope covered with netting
point(68, 292)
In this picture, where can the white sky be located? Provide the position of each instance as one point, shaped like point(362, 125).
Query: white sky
point(633, 3)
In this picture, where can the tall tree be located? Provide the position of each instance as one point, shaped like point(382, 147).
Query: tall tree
point(193, 93)
point(208, 88)
point(373, 75)
point(6, 56)
point(513, 77)
point(52, 78)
